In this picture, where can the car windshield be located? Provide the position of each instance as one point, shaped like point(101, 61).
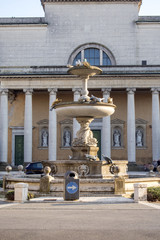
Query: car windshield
point(37, 165)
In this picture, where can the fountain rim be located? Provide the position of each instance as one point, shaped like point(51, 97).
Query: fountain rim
point(68, 104)
point(91, 71)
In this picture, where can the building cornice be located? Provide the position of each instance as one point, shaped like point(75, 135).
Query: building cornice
point(139, 2)
point(22, 25)
point(30, 21)
point(148, 20)
point(50, 1)
point(43, 2)
point(57, 71)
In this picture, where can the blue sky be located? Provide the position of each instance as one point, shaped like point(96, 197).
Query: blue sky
point(33, 8)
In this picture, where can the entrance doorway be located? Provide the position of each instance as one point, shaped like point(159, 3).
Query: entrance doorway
point(97, 135)
point(19, 150)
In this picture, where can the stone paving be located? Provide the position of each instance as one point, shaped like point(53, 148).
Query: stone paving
point(79, 221)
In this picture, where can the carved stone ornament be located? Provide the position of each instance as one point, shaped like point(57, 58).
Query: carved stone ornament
point(52, 166)
point(12, 96)
point(83, 170)
point(53, 169)
point(85, 135)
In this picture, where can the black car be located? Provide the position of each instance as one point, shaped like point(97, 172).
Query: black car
point(34, 168)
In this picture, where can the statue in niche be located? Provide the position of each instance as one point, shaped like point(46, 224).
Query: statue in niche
point(67, 138)
point(139, 138)
point(45, 138)
point(116, 138)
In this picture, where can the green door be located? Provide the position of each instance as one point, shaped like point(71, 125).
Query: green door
point(19, 150)
point(97, 135)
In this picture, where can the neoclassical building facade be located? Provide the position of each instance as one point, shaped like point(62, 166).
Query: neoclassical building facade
point(34, 56)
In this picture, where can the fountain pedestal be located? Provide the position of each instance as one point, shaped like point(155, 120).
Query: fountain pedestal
point(80, 152)
point(84, 143)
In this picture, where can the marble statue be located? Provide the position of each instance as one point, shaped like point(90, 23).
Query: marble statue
point(67, 138)
point(45, 139)
point(139, 138)
point(116, 139)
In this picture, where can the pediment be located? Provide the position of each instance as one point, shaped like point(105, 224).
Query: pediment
point(117, 121)
point(141, 121)
point(66, 121)
point(43, 122)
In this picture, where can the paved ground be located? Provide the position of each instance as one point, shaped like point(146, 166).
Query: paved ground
point(86, 219)
point(79, 221)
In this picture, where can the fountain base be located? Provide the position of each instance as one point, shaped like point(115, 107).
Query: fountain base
point(86, 168)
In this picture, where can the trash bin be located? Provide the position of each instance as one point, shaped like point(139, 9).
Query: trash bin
point(71, 186)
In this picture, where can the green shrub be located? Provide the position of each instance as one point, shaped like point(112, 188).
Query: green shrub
point(10, 195)
point(30, 195)
point(153, 194)
point(132, 195)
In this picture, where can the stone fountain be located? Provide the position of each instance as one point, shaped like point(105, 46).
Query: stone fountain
point(97, 178)
point(84, 149)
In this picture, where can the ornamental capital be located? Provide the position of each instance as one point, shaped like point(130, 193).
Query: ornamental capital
point(131, 90)
point(76, 90)
point(52, 91)
point(155, 90)
point(28, 91)
point(4, 91)
point(106, 90)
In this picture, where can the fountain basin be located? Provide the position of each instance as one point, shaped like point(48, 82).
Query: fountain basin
point(85, 70)
point(92, 110)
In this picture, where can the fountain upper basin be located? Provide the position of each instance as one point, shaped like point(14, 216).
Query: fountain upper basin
point(76, 109)
point(84, 71)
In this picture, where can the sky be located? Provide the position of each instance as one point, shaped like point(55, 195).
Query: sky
point(33, 8)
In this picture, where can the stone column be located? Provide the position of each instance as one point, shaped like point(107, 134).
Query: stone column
point(155, 123)
point(131, 141)
point(106, 128)
point(4, 127)
point(52, 148)
point(28, 126)
point(76, 125)
point(0, 127)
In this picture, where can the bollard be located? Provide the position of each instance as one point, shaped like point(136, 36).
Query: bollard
point(140, 192)
point(119, 185)
point(20, 192)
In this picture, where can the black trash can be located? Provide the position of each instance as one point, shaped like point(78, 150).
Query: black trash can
point(71, 186)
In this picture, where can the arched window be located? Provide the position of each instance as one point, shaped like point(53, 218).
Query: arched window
point(94, 53)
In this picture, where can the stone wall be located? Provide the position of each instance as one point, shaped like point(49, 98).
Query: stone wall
point(33, 42)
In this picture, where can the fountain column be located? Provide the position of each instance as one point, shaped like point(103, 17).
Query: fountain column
point(28, 126)
point(131, 126)
point(76, 125)
point(106, 128)
point(52, 148)
point(4, 127)
point(155, 123)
